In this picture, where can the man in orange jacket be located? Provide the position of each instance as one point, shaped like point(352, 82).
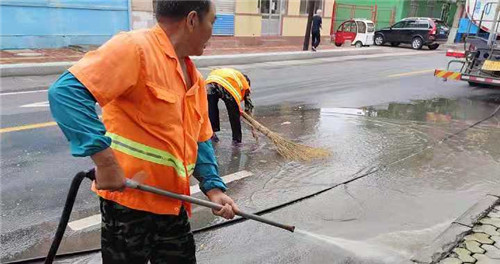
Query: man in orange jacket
point(233, 87)
point(154, 122)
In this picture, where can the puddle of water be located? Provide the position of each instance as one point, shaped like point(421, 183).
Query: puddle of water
point(361, 249)
point(360, 138)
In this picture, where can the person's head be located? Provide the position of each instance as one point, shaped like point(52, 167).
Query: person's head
point(319, 12)
point(248, 80)
point(191, 22)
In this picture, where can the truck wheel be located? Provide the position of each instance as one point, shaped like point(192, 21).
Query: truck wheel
point(473, 84)
point(417, 43)
point(358, 44)
point(338, 44)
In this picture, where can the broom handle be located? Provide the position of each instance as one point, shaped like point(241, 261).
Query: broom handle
point(256, 124)
point(135, 185)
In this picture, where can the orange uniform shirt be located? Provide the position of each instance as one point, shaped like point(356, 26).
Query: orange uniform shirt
point(153, 119)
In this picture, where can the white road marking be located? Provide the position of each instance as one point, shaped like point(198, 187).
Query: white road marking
point(345, 111)
point(227, 179)
point(94, 220)
point(38, 104)
point(85, 222)
point(26, 92)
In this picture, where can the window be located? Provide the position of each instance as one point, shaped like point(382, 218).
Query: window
point(421, 24)
point(411, 24)
point(350, 27)
point(304, 6)
point(399, 25)
point(272, 6)
point(371, 27)
point(361, 27)
point(264, 6)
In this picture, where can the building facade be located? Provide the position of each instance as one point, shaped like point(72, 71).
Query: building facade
point(60, 23)
point(30, 24)
point(277, 17)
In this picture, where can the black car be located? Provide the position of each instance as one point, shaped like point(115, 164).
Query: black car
point(419, 32)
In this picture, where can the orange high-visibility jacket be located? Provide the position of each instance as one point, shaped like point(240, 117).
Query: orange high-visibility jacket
point(154, 120)
point(233, 81)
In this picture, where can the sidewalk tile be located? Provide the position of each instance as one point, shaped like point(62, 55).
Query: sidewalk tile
point(464, 255)
point(480, 237)
point(451, 261)
point(488, 229)
point(492, 252)
point(474, 247)
point(483, 259)
point(491, 221)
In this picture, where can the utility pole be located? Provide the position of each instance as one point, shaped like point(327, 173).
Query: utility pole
point(456, 19)
point(312, 5)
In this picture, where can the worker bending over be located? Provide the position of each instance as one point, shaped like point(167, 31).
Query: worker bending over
point(233, 87)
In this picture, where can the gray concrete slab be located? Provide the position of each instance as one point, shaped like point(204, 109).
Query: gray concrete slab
point(478, 211)
point(413, 197)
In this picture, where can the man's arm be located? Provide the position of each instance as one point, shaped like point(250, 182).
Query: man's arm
point(206, 170)
point(73, 108)
point(207, 173)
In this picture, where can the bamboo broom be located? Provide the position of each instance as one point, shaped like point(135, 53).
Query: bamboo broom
point(285, 147)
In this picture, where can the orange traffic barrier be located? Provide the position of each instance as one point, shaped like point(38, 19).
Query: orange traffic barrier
point(447, 75)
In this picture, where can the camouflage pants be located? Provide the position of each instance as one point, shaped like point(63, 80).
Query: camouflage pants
point(132, 236)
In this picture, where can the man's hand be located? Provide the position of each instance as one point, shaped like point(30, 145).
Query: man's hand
point(109, 175)
point(229, 208)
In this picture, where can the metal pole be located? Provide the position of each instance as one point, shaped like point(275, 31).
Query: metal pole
point(186, 198)
point(312, 4)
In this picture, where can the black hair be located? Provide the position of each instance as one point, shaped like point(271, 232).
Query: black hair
point(248, 80)
point(178, 9)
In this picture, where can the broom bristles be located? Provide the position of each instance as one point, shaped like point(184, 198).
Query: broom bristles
point(286, 148)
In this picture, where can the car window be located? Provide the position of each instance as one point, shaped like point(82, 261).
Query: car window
point(422, 24)
point(341, 28)
point(350, 27)
point(400, 24)
point(361, 27)
point(371, 27)
point(411, 24)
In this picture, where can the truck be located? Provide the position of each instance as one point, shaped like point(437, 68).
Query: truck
point(479, 61)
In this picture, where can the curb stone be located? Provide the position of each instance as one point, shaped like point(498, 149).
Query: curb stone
point(48, 68)
point(454, 234)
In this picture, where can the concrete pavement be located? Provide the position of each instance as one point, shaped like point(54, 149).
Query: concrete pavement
point(413, 195)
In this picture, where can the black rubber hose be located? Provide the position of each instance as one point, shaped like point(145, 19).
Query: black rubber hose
point(68, 207)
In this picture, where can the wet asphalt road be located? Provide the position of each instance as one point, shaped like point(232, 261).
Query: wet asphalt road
point(415, 187)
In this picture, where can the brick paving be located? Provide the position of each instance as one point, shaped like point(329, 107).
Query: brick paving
point(482, 246)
